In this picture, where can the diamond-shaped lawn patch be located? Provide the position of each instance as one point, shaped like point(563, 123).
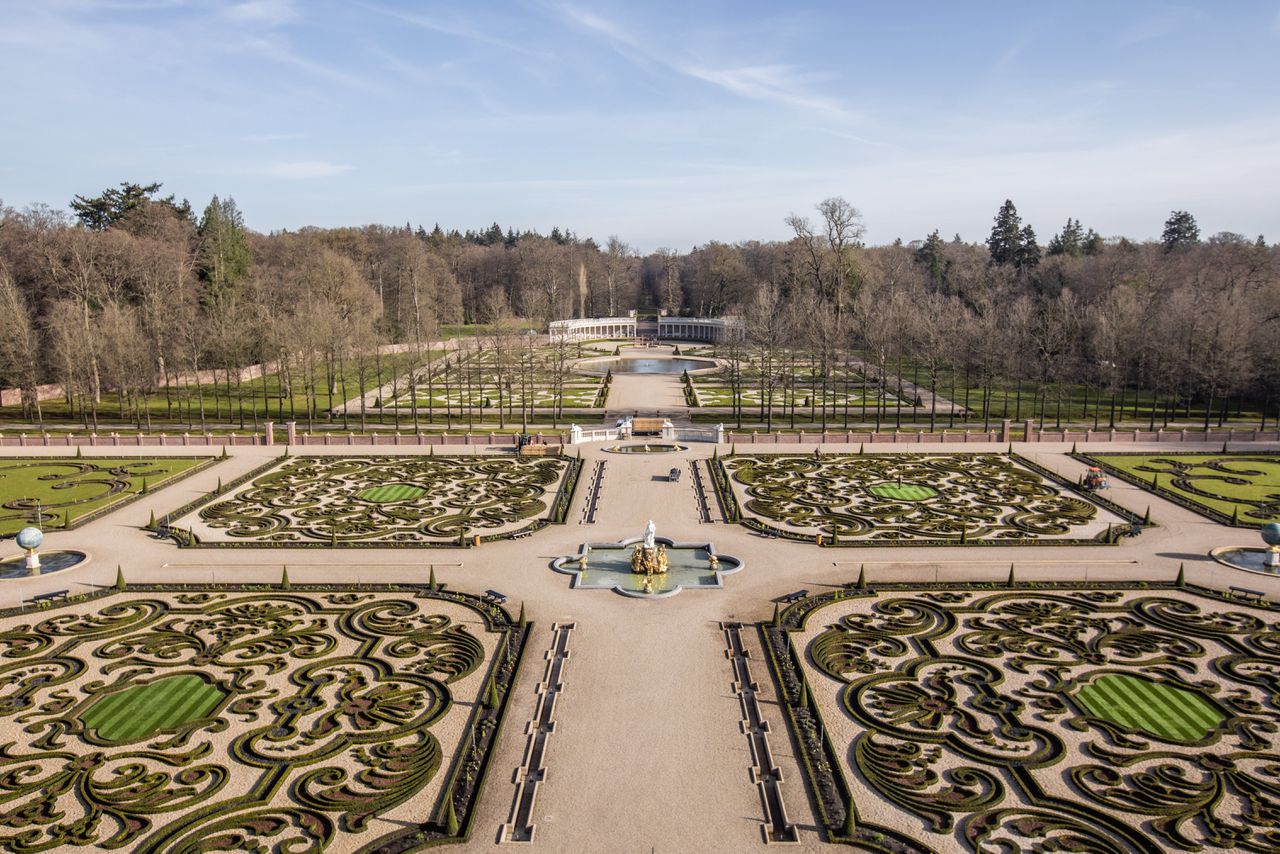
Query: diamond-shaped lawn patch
point(144, 710)
point(1157, 708)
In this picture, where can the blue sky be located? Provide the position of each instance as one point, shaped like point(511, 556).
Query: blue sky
point(668, 124)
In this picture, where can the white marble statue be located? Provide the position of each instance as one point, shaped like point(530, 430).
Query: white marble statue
point(649, 531)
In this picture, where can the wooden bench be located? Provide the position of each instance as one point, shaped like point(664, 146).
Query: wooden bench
point(495, 597)
point(1246, 593)
point(795, 596)
point(674, 476)
point(51, 595)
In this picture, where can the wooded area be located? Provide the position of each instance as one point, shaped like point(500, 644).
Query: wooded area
point(130, 294)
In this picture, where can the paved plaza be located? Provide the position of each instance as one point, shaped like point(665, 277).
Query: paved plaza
point(650, 747)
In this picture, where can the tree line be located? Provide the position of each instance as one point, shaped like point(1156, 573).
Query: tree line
point(133, 294)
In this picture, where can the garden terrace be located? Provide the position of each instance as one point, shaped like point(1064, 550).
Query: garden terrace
point(62, 492)
point(1100, 718)
point(1235, 488)
point(184, 719)
point(528, 377)
point(911, 499)
point(379, 501)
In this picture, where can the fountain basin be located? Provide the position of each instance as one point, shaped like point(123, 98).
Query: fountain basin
point(52, 561)
point(646, 365)
point(650, 448)
point(609, 568)
point(1250, 560)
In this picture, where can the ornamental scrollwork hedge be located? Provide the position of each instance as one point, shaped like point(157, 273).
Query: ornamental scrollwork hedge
point(1060, 717)
point(184, 719)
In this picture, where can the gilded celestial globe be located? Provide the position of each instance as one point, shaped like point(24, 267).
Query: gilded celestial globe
point(30, 538)
point(1271, 533)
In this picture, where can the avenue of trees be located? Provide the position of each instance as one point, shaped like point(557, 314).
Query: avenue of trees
point(131, 296)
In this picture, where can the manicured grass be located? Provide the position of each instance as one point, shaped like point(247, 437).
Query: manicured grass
point(1243, 486)
point(68, 488)
point(903, 492)
point(1164, 711)
point(393, 492)
point(143, 710)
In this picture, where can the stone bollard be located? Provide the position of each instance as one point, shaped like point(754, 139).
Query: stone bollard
point(269, 436)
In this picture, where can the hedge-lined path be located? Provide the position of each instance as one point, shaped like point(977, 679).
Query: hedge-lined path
point(647, 747)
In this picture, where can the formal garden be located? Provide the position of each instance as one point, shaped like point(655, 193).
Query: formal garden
point(1238, 488)
point(184, 719)
point(380, 501)
point(515, 377)
point(1044, 718)
point(911, 499)
point(63, 492)
point(793, 384)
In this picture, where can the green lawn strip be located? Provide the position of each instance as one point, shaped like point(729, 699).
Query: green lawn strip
point(93, 479)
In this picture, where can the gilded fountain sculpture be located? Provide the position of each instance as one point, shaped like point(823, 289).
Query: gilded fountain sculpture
point(649, 558)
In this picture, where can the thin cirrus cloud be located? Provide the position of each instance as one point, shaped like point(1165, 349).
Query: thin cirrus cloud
point(298, 170)
point(777, 82)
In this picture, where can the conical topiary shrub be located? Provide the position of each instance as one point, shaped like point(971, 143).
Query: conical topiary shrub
point(284, 579)
point(120, 582)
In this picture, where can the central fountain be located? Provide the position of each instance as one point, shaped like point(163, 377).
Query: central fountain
point(647, 566)
point(649, 558)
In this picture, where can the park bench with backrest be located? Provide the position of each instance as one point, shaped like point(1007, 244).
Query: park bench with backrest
point(495, 597)
point(1247, 593)
point(50, 596)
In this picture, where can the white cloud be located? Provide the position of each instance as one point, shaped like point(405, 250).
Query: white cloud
point(780, 83)
point(269, 12)
point(303, 169)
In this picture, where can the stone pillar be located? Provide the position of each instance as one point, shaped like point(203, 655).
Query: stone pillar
point(575, 435)
point(1005, 424)
point(719, 434)
point(1027, 426)
point(291, 432)
point(269, 437)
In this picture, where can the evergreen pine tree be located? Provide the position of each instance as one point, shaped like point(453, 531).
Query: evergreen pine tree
point(1180, 231)
point(1006, 235)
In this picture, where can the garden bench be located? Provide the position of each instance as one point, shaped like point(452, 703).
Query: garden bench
point(1246, 593)
point(674, 476)
point(495, 597)
point(52, 594)
point(162, 531)
point(795, 596)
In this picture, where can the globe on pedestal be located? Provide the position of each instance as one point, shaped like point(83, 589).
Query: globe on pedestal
point(1271, 533)
point(30, 538)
